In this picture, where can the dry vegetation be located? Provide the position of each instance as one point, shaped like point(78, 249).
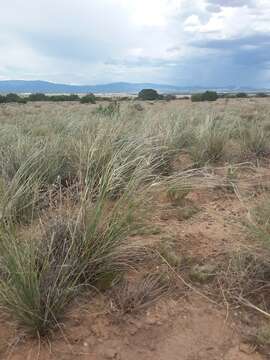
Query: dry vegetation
point(92, 198)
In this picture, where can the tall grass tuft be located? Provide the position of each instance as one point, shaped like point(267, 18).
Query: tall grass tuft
point(210, 141)
point(40, 277)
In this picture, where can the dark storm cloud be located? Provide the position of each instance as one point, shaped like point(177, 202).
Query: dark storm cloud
point(200, 42)
point(248, 51)
point(231, 3)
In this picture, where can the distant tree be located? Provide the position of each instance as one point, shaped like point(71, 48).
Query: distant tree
point(149, 94)
point(206, 96)
point(261, 95)
point(196, 97)
point(63, 97)
point(88, 99)
point(241, 95)
point(74, 97)
point(2, 99)
point(37, 97)
point(11, 97)
point(210, 96)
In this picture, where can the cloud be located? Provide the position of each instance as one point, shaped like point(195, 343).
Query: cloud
point(231, 3)
point(174, 41)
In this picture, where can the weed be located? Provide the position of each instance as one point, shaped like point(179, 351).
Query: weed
point(132, 297)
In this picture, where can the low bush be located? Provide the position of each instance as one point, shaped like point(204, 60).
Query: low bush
point(72, 97)
point(206, 96)
point(37, 97)
point(88, 99)
point(149, 94)
point(11, 98)
point(261, 95)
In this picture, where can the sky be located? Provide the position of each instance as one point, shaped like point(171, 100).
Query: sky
point(178, 42)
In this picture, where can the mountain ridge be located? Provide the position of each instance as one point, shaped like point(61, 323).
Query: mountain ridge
point(34, 86)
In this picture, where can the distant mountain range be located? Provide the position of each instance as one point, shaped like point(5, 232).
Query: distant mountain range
point(25, 86)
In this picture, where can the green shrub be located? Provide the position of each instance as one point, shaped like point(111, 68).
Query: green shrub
point(12, 97)
point(9, 98)
point(37, 97)
point(88, 99)
point(73, 97)
point(56, 98)
point(196, 97)
point(149, 94)
point(206, 96)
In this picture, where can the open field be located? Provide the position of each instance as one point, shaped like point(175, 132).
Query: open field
point(136, 230)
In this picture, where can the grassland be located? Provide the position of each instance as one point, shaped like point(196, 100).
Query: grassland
point(93, 199)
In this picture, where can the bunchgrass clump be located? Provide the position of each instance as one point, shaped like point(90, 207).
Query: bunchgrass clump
point(211, 138)
point(40, 277)
point(255, 139)
point(130, 297)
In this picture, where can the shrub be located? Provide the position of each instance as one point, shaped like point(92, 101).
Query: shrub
point(9, 98)
point(210, 96)
point(261, 95)
point(63, 97)
point(206, 96)
point(37, 97)
point(241, 95)
point(88, 99)
point(12, 97)
point(149, 94)
point(196, 97)
point(73, 97)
